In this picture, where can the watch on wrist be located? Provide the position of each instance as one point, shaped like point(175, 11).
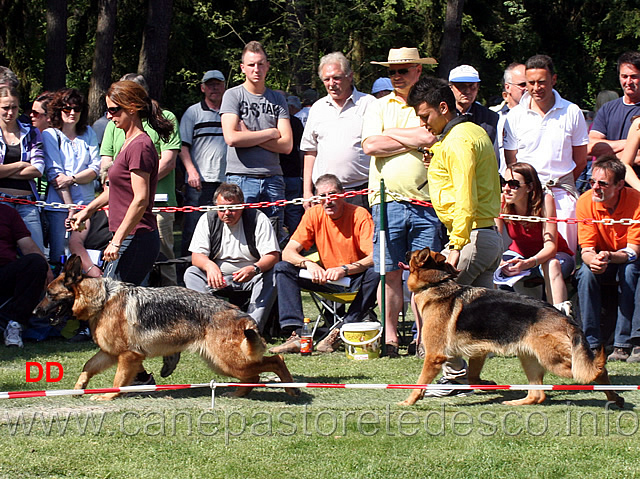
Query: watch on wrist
point(256, 269)
point(346, 269)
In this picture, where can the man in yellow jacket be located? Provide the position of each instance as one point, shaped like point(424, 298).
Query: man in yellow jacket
point(465, 192)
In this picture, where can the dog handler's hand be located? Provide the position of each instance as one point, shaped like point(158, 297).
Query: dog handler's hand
point(111, 252)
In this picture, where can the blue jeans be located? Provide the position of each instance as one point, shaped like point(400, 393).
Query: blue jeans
point(409, 228)
point(270, 188)
point(590, 300)
point(138, 252)
point(290, 283)
point(292, 213)
point(195, 197)
point(57, 234)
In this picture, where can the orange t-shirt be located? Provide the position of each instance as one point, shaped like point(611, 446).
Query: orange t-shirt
point(343, 241)
point(609, 237)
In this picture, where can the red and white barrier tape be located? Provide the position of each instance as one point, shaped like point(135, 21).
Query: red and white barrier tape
point(213, 385)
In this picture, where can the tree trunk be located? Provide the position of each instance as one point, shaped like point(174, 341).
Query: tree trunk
point(55, 67)
point(102, 57)
point(155, 45)
point(450, 48)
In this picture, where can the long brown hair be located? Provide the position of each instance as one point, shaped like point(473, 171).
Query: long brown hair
point(535, 200)
point(132, 96)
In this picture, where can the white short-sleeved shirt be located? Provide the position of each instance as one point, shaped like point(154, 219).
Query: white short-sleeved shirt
point(546, 142)
point(335, 134)
point(234, 252)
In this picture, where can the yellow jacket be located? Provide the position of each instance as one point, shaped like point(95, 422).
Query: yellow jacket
point(463, 181)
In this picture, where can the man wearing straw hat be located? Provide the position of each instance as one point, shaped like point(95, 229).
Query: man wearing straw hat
point(392, 135)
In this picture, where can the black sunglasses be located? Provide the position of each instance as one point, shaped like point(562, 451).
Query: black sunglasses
point(513, 184)
point(67, 109)
point(114, 109)
point(401, 71)
point(601, 184)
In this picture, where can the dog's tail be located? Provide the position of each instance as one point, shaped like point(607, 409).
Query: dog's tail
point(253, 346)
point(584, 366)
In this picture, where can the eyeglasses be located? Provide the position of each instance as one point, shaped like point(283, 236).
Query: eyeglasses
point(67, 109)
point(114, 109)
point(519, 85)
point(400, 71)
point(600, 183)
point(36, 114)
point(513, 184)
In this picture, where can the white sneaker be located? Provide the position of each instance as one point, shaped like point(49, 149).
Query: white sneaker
point(13, 335)
point(565, 307)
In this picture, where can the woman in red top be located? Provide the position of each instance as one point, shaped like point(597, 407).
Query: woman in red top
point(536, 246)
point(132, 185)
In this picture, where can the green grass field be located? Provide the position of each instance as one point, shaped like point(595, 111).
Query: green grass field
point(325, 433)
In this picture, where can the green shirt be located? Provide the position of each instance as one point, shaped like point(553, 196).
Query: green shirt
point(113, 140)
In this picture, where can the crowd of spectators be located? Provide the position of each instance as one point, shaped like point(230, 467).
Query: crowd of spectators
point(450, 166)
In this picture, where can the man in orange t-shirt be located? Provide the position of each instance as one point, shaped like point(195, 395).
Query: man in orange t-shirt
point(610, 253)
point(343, 235)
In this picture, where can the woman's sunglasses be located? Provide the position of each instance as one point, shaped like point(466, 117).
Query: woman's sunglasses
point(513, 184)
point(67, 109)
point(114, 109)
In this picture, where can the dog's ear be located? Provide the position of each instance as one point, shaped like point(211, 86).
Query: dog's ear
point(72, 270)
point(419, 258)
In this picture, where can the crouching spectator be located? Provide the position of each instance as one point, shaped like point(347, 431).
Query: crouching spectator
point(609, 253)
point(23, 278)
point(235, 250)
point(343, 235)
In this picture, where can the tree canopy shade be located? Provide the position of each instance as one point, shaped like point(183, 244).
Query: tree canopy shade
point(89, 43)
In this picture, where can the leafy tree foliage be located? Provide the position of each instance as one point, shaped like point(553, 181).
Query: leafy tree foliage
point(584, 37)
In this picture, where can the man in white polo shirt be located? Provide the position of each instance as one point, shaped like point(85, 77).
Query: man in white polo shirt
point(549, 133)
point(332, 135)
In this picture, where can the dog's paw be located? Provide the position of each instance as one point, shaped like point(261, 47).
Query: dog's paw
point(293, 392)
point(406, 402)
point(102, 397)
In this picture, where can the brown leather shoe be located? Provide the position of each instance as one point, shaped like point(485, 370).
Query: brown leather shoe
point(331, 343)
point(619, 354)
point(291, 345)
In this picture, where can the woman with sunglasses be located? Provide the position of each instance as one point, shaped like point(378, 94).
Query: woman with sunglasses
point(38, 114)
point(131, 185)
point(21, 161)
point(72, 163)
point(535, 246)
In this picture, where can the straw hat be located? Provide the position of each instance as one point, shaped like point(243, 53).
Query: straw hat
point(398, 56)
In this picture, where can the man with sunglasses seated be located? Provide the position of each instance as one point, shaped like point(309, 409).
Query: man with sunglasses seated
point(342, 233)
point(609, 253)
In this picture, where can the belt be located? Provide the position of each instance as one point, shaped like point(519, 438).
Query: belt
point(23, 197)
point(494, 227)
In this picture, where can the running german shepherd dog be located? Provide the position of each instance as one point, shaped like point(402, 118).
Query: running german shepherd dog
point(131, 323)
point(468, 321)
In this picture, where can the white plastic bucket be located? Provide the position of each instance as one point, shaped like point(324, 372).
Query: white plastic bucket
point(362, 340)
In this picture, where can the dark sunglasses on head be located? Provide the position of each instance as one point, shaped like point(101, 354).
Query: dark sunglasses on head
point(400, 71)
point(114, 109)
point(600, 183)
point(513, 184)
point(67, 109)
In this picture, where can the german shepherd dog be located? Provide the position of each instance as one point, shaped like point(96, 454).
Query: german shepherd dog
point(130, 323)
point(468, 321)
